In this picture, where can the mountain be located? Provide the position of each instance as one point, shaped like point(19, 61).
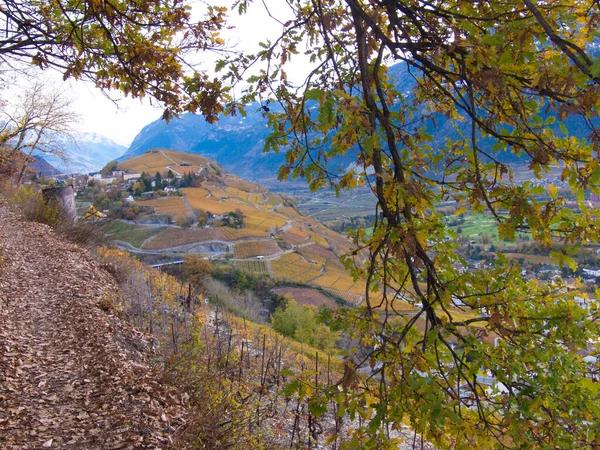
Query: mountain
point(85, 152)
point(41, 166)
point(237, 142)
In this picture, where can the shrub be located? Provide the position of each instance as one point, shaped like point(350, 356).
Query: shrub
point(30, 203)
point(300, 322)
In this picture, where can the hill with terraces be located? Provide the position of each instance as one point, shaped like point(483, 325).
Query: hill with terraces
point(275, 239)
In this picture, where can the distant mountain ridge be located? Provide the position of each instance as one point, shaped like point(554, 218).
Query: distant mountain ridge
point(237, 142)
point(41, 167)
point(85, 152)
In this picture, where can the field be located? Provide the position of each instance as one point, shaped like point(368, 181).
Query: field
point(197, 198)
point(179, 157)
point(349, 297)
point(324, 205)
point(149, 163)
point(540, 259)
point(273, 199)
point(293, 267)
point(132, 234)
point(298, 232)
point(161, 161)
point(255, 199)
point(319, 240)
point(292, 239)
point(474, 225)
point(244, 185)
point(264, 222)
point(335, 278)
point(255, 266)
point(251, 249)
point(173, 206)
point(308, 296)
point(316, 253)
point(184, 170)
point(173, 237)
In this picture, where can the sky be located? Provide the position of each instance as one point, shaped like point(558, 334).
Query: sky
point(122, 119)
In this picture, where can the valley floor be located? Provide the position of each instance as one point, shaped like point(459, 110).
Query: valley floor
point(72, 375)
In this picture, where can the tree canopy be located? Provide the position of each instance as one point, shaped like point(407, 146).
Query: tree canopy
point(514, 80)
point(140, 48)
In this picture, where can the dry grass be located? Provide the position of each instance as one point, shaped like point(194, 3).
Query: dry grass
point(273, 199)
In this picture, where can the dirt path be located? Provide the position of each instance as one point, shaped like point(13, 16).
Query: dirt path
point(72, 375)
point(189, 207)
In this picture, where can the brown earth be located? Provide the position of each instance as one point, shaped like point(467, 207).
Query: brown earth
point(72, 374)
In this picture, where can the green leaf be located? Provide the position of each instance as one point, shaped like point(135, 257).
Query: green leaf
point(314, 94)
point(595, 68)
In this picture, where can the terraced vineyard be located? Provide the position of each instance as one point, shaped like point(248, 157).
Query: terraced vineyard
point(349, 297)
point(172, 206)
point(251, 249)
point(256, 266)
point(316, 253)
point(293, 267)
point(149, 163)
point(173, 237)
point(316, 248)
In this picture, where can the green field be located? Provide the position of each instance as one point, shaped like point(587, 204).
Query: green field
point(132, 234)
point(474, 225)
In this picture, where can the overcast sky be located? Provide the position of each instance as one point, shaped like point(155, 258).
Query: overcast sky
point(122, 121)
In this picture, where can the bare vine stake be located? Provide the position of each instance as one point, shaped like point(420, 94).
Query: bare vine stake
point(241, 361)
point(150, 308)
point(164, 320)
point(228, 352)
point(262, 380)
point(207, 347)
point(332, 402)
point(297, 417)
point(174, 337)
point(279, 363)
point(217, 316)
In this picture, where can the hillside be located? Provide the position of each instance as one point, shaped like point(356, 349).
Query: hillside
point(80, 335)
point(276, 239)
point(73, 375)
